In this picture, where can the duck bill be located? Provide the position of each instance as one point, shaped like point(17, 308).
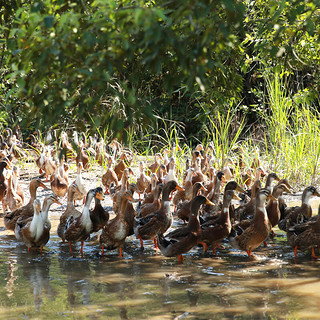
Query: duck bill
point(317, 193)
point(236, 197)
point(179, 188)
point(100, 196)
point(271, 197)
point(131, 199)
point(209, 202)
point(44, 186)
point(9, 166)
point(240, 189)
point(77, 188)
point(38, 207)
point(203, 188)
point(58, 202)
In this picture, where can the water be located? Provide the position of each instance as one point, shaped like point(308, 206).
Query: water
point(146, 285)
point(56, 284)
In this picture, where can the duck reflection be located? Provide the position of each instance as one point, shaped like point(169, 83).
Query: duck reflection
point(78, 273)
point(12, 276)
point(36, 269)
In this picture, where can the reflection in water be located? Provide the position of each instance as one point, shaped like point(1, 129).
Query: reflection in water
point(142, 285)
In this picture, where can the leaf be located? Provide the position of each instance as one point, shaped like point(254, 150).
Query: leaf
point(48, 21)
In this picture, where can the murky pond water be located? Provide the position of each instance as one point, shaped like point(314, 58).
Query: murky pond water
point(146, 285)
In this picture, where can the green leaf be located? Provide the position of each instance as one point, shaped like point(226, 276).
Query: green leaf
point(48, 21)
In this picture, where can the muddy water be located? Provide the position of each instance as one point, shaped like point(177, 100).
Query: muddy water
point(145, 285)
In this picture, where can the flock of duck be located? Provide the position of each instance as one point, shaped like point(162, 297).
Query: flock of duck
point(205, 200)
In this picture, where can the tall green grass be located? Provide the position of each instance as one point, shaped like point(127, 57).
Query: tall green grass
point(292, 140)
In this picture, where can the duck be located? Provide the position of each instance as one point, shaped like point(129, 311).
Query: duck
point(247, 210)
point(153, 168)
point(10, 218)
point(161, 172)
point(172, 171)
point(109, 177)
point(116, 230)
point(258, 230)
point(150, 207)
point(11, 200)
point(183, 209)
point(198, 175)
point(15, 182)
point(59, 185)
point(269, 180)
point(79, 228)
point(213, 234)
point(99, 216)
point(149, 194)
point(187, 186)
point(212, 174)
point(3, 181)
point(121, 166)
point(49, 165)
point(66, 146)
point(143, 180)
point(305, 235)
point(272, 208)
point(116, 147)
point(22, 221)
point(213, 196)
point(34, 232)
point(295, 214)
point(83, 157)
point(116, 197)
point(166, 160)
point(183, 239)
point(69, 211)
point(101, 155)
point(146, 228)
point(215, 215)
point(81, 190)
point(130, 212)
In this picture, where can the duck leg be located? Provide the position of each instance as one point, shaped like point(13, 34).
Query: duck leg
point(102, 251)
point(155, 244)
point(313, 254)
point(295, 250)
point(219, 245)
point(81, 248)
point(204, 245)
point(180, 258)
point(213, 249)
point(70, 247)
point(249, 253)
point(120, 252)
point(141, 242)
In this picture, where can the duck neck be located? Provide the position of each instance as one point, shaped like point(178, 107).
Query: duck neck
point(123, 207)
point(85, 217)
point(45, 209)
point(36, 226)
point(306, 198)
point(33, 192)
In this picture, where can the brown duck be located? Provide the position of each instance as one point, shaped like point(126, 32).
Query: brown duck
point(184, 239)
point(70, 211)
point(212, 234)
point(259, 229)
point(116, 230)
point(146, 228)
point(79, 229)
point(27, 210)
